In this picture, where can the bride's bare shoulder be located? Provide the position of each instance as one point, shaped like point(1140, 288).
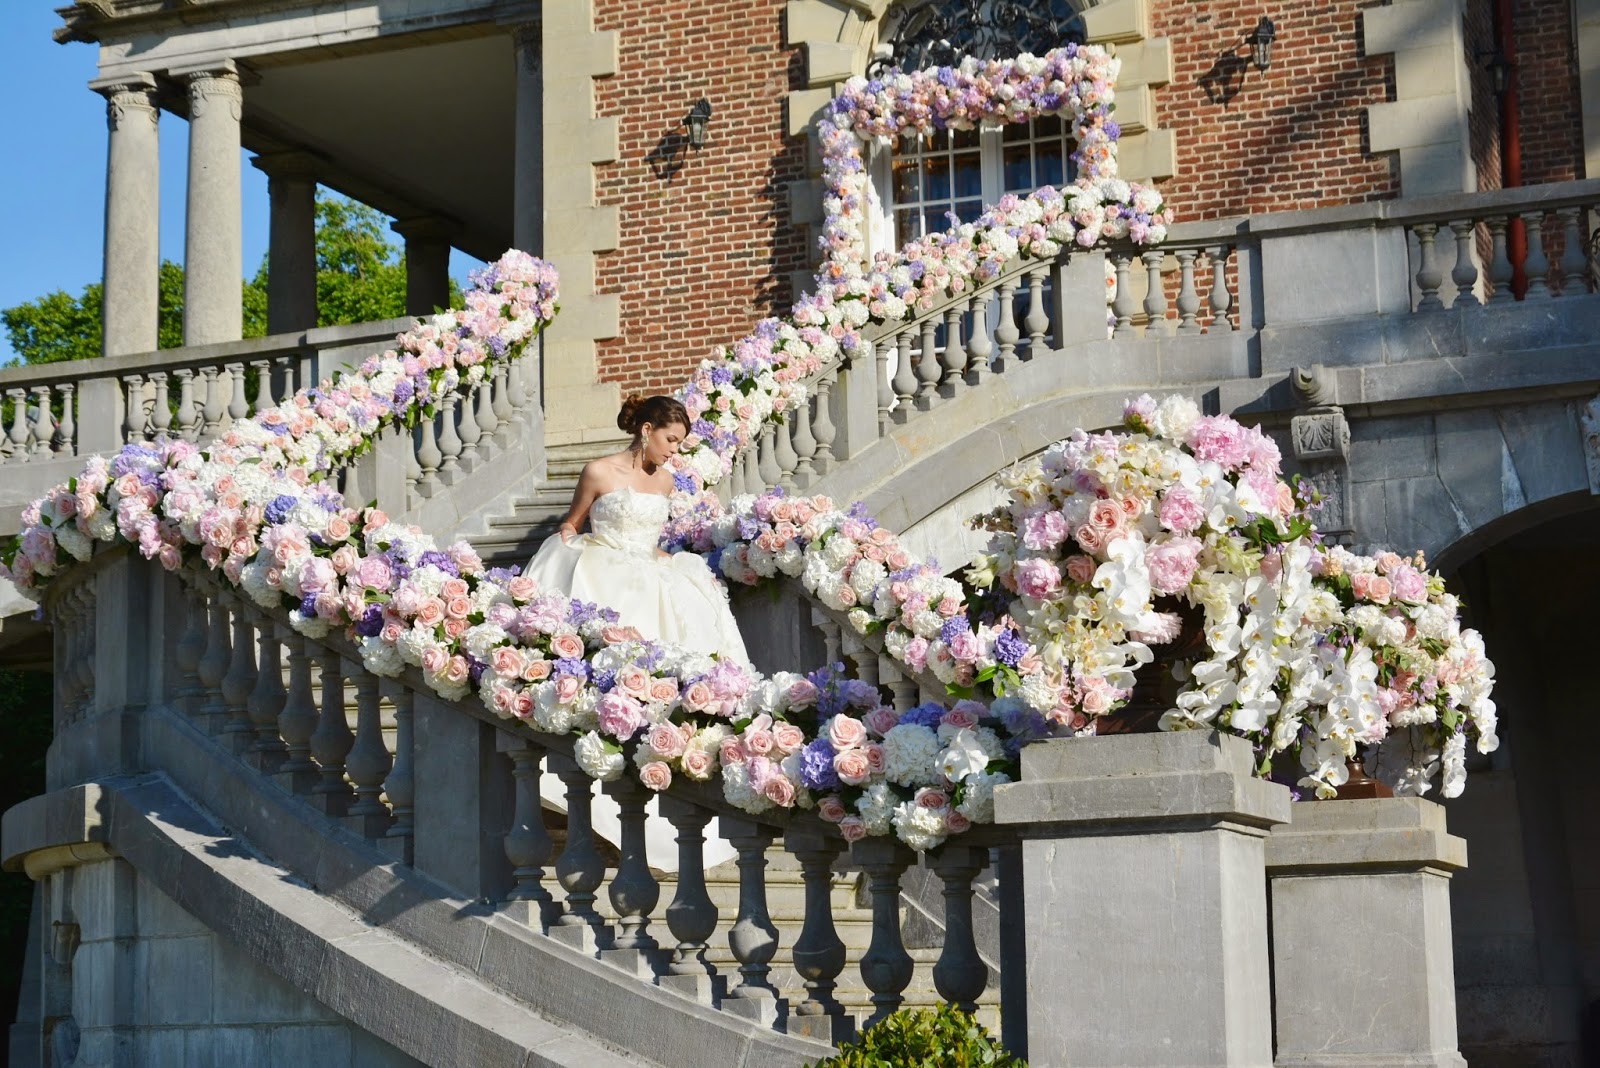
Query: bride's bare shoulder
point(603, 473)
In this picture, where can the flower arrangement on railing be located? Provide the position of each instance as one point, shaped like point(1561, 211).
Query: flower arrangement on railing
point(755, 380)
point(169, 496)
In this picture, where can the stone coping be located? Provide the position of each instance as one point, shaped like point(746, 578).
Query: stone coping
point(1401, 833)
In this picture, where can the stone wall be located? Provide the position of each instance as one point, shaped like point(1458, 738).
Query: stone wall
point(149, 984)
point(707, 248)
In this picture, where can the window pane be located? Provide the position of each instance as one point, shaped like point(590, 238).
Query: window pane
point(933, 220)
point(1018, 175)
point(936, 178)
point(968, 174)
point(905, 181)
point(1047, 126)
point(969, 210)
point(964, 138)
point(1049, 160)
point(1014, 131)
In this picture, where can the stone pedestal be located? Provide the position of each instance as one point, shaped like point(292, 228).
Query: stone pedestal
point(1145, 891)
point(133, 208)
point(1361, 946)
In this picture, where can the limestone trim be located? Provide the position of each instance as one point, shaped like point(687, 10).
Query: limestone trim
point(1427, 122)
point(1586, 19)
point(578, 407)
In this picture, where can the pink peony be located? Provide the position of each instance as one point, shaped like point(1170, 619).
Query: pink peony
point(1409, 584)
point(1181, 511)
point(1172, 564)
point(1220, 439)
point(620, 715)
point(1037, 577)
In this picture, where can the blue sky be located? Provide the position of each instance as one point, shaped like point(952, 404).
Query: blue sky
point(52, 192)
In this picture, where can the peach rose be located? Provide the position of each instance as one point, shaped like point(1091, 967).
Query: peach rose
point(697, 764)
point(788, 737)
point(663, 689)
point(536, 670)
point(567, 689)
point(852, 767)
point(780, 791)
point(846, 732)
point(566, 645)
point(656, 775)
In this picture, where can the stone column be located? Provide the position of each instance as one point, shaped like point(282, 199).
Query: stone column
point(527, 211)
point(213, 246)
point(1361, 944)
point(133, 216)
point(427, 263)
point(1146, 898)
point(292, 248)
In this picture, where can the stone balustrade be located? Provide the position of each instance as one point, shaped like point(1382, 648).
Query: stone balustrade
point(1137, 866)
point(1232, 297)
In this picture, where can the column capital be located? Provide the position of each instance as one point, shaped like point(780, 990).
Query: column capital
point(219, 82)
point(290, 163)
point(425, 228)
point(129, 96)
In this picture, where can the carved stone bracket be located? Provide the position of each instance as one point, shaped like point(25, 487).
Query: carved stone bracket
point(1321, 441)
point(1589, 419)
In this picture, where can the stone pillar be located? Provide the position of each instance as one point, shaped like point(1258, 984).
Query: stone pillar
point(292, 248)
point(213, 246)
point(133, 216)
point(1361, 944)
point(427, 263)
point(527, 211)
point(1146, 897)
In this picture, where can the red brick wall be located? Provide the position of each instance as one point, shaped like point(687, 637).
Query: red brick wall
point(1547, 87)
point(1290, 137)
point(708, 253)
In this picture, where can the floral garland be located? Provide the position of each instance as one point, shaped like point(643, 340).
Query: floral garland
point(755, 380)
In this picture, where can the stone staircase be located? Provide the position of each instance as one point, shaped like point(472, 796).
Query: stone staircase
point(505, 537)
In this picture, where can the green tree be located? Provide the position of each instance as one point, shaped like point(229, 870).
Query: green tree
point(361, 277)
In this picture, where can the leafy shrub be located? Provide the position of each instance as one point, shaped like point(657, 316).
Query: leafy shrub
point(946, 1038)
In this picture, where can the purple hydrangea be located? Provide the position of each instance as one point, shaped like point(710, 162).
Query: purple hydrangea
point(573, 665)
point(370, 625)
point(721, 376)
point(924, 715)
point(503, 575)
point(605, 680)
point(475, 668)
point(441, 561)
point(1010, 647)
point(682, 481)
point(308, 605)
point(952, 627)
point(816, 766)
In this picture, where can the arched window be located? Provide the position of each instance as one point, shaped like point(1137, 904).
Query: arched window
point(921, 183)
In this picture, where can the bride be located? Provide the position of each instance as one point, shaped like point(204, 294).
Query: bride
point(670, 598)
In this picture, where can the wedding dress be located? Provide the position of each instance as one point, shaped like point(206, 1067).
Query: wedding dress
point(673, 599)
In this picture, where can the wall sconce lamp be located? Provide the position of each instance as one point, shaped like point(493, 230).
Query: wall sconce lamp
point(697, 119)
point(1260, 42)
point(1495, 62)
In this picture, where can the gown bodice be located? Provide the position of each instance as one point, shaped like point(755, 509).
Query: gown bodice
point(629, 520)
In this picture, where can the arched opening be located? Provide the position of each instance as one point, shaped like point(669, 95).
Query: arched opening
point(1526, 913)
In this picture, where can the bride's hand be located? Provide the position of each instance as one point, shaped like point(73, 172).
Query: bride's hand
point(662, 554)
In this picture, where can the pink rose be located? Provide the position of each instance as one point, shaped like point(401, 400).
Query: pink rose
point(788, 738)
point(635, 682)
point(846, 732)
point(338, 528)
point(620, 715)
point(732, 751)
point(457, 607)
point(507, 660)
point(956, 823)
point(697, 764)
point(434, 658)
point(1096, 701)
point(853, 828)
point(457, 670)
point(780, 791)
point(1387, 562)
point(567, 689)
point(961, 718)
point(831, 808)
point(758, 741)
point(504, 700)
point(929, 797)
point(522, 588)
point(876, 760)
point(536, 670)
point(1090, 539)
point(665, 741)
point(852, 767)
point(391, 632)
point(1106, 516)
point(431, 612)
point(1080, 568)
point(802, 694)
point(455, 627)
point(566, 646)
point(656, 775)
point(453, 587)
point(881, 720)
point(698, 697)
point(663, 690)
point(1037, 577)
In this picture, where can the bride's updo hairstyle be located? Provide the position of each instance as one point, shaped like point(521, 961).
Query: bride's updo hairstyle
point(638, 410)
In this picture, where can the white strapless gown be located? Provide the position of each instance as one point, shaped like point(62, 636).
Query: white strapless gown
point(674, 599)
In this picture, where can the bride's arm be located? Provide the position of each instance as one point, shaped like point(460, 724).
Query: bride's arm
point(582, 498)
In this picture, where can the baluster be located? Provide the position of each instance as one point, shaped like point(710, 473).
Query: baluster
point(1123, 306)
point(634, 892)
point(188, 415)
point(287, 370)
point(1464, 275)
point(1500, 269)
point(1536, 267)
point(753, 938)
point(886, 967)
point(488, 422)
point(369, 761)
point(752, 473)
point(267, 699)
point(1188, 295)
point(240, 679)
point(469, 430)
point(1221, 299)
point(449, 440)
point(830, 633)
point(69, 423)
point(692, 916)
point(44, 427)
point(953, 361)
point(818, 953)
point(19, 424)
point(1006, 332)
point(736, 483)
point(979, 347)
point(1428, 274)
point(877, 355)
point(1574, 262)
point(1037, 321)
point(413, 468)
point(822, 428)
point(905, 377)
point(191, 647)
point(213, 402)
point(928, 370)
point(901, 685)
point(238, 406)
point(507, 397)
point(401, 785)
point(214, 665)
point(133, 413)
point(579, 868)
point(767, 462)
point(161, 409)
point(1155, 296)
point(804, 443)
point(264, 399)
point(298, 719)
point(528, 844)
point(331, 741)
point(960, 976)
point(783, 453)
point(428, 457)
point(862, 655)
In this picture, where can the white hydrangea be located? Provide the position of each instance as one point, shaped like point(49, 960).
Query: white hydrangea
point(411, 643)
point(977, 796)
point(598, 759)
point(738, 792)
point(876, 806)
point(380, 657)
point(918, 827)
point(911, 755)
point(479, 641)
